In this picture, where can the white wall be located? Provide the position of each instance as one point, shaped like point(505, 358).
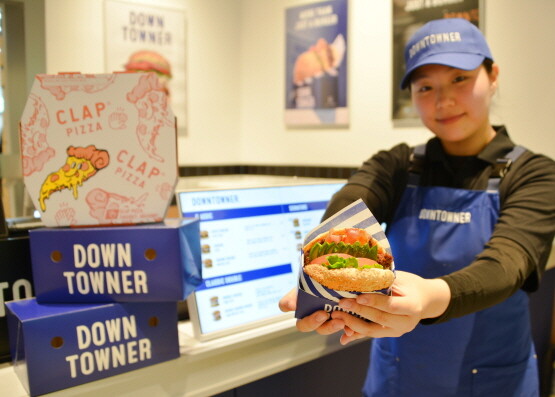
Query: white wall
point(522, 39)
point(265, 138)
point(236, 70)
point(75, 42)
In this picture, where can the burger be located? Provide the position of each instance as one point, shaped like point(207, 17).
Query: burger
point(348, 259)
point(149, 61)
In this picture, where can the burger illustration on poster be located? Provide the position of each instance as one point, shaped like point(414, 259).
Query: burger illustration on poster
point(151, 61)
point(143, 38)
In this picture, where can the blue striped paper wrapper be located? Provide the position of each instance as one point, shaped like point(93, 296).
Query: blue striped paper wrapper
point(313, 296)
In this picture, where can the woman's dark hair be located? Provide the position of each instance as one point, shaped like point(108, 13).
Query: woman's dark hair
point(487, 64)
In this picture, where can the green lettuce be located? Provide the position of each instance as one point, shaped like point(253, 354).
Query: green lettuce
point(338, 262)
point(357, 249)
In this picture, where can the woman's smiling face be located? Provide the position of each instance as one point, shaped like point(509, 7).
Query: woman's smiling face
point(454, 104)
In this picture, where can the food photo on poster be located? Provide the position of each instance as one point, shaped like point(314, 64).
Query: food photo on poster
point(316, 64)
point(141, 38)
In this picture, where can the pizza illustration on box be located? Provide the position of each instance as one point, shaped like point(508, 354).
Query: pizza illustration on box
point(82, 163)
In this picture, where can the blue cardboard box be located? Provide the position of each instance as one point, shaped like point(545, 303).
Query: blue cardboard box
point(157, 262)
point(56, 346)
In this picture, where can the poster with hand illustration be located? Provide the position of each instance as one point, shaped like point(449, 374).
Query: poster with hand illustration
point(146, 38)
point(316, 65)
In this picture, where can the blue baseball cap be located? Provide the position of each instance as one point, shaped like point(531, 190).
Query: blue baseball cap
point(451, 42)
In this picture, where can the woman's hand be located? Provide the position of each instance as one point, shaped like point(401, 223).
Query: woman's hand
point(319, 321)
point(413, 298)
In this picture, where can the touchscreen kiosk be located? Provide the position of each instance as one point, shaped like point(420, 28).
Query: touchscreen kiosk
point(251, 238)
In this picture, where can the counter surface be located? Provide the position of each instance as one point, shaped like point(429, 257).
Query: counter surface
point(205, 368)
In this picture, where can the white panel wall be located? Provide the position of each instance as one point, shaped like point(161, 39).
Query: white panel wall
point(75, 42)
point(265, 138)
point(522, 37)
point(236, 77)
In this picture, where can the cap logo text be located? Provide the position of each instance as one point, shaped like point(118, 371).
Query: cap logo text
point(434, 39)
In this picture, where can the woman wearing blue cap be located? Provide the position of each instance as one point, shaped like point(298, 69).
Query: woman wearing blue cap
point(471, 220)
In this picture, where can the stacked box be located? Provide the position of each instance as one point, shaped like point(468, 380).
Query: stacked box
point(99, 149)
point(144, 263)
point(56, 346)
point(100, 164)
point(140, 273)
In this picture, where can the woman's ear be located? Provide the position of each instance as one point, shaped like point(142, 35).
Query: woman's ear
point(493, 78)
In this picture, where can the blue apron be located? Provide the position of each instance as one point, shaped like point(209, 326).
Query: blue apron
point(436, 231)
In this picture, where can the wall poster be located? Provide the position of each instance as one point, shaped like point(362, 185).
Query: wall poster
point(409, 16)
point(139, 37)
point(316, 65)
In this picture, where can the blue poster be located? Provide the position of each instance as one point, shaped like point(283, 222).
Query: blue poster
point(316, 64)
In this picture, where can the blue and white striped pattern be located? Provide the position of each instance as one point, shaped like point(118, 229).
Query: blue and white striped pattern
point(356, 215)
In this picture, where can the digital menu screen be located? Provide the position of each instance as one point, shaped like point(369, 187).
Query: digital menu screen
point(251, 241)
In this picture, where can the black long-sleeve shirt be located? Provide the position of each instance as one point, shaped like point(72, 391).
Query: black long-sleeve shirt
point(515, 255)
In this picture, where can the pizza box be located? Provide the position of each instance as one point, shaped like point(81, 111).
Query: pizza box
point(137, 263)
point(56, 346)
point(313, 296)
point(98, 149)
point(16, 281)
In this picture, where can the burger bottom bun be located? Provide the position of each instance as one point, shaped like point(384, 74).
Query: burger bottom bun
point(351, 279)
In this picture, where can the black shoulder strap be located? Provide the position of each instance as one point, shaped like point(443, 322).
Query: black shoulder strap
point(416, 164)
point(502, 166)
